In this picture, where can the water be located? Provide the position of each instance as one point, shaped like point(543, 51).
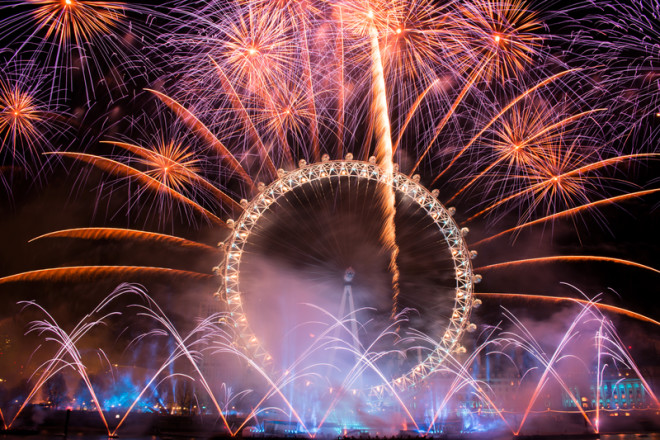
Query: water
point(627, 436)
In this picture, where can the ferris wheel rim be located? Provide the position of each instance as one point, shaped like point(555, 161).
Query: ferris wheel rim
point(442, 217)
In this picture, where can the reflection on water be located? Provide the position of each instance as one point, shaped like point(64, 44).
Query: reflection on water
point(628, 436)
point(649, 436)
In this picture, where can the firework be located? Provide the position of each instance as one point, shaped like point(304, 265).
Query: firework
point(91, 37)
point(571, 212)
point(93, 272)
point(558, 300)
point(214, 336)
point(265, 119)
point(629, 66)
point(30, 123)
point(125, 234)
point(503, 34)
point(254, 80)
point(568, 258)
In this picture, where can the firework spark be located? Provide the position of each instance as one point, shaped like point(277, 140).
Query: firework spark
point(559, 299)
point(125, 234)
point(70, 35)
point(568, 258)
point(489, 101)
point(78, 273)
point(29, 122)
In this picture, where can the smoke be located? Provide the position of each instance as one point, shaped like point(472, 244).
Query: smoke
point(330, 324)
point(331, 375)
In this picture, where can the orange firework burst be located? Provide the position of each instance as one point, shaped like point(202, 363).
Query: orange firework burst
point(149, 183)
point(27, 122)
point(563, 180)
point(412, 34)
point(519, 143)
point(203, 132)
point(175, 167)
point(521, 137)
point(555, 186)
point(505, 32)
point(76, 21)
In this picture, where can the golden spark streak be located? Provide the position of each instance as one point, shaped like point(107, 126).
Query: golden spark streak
point(412, 111)
point(313, 121)
point(340, 89)
point(570, 212)
point(582, 169)
point(566, 258)
point(124, 234)
point(385, 160)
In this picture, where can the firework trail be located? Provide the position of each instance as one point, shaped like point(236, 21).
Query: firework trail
point(557, 300)
point(385, 160)
point(82, 42)
point(571, 212)
point(213, 334)
point(78, 273)
point(119, 169)
point(67, 344)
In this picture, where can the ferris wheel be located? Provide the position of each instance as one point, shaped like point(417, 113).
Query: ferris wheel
point(324, 180)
